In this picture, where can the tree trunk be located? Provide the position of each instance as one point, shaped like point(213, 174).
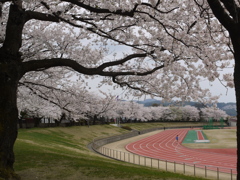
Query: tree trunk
point(237, 91)
point(9, 78)
point(236, 45)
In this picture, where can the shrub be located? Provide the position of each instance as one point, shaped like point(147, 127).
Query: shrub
point(127, 128)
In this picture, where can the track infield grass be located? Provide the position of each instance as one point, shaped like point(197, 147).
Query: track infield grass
point(219, 139)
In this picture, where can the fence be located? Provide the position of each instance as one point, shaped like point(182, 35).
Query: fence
point(211, 172)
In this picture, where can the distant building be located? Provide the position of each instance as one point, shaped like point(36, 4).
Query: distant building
point(232, 122)
point(27, 123)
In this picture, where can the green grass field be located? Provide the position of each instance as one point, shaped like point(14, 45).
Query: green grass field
point(61, 153)
point(140, 126)
point(219, 139)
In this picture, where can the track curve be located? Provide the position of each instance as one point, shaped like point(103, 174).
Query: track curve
point(164, 146)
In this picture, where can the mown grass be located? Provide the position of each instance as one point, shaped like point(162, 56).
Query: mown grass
point(219, 139)
point(62, 154)
point(141, 126)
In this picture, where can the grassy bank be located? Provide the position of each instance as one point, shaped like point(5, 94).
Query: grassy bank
point(61, 154)
point(141, 126)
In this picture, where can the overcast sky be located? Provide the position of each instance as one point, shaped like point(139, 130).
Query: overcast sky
point(216, 88)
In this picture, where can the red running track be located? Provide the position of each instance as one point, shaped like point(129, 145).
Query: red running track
point(163, 146)
point(200, 135)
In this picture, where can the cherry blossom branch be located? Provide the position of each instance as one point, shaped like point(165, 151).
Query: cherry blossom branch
point(37, 65)
point(40, 85)
point(103, 10)
point(96, 30)
point(122, 84)
point(46, 98)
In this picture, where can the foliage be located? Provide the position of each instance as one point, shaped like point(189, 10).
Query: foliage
point(214, 113)
point(107, 109)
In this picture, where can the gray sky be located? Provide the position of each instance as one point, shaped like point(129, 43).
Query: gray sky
point(216, 88)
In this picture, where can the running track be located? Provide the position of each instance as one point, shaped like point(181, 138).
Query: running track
point(163, 146)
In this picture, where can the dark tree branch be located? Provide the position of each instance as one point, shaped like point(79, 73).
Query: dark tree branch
point(232, 8)
point(122, 84)
point(37, 65)
point(102, 10)
point(191, 26)
point(221, 14)
point(41, 16)
point(155, 8)
point(114, 63)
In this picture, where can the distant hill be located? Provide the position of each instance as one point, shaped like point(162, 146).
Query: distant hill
point(229, 108)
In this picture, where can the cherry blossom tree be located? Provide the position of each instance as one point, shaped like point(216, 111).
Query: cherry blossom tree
point(176, 113)
point(174, 44)
point(213, 112)
point(134, 111)
point(51, 102)
point(190, 113)
point(158, 112)
point(146, 114)
point(96, 106)
point(71, 99)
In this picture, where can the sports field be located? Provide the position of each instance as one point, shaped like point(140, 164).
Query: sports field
point(219, 139)
point(218, 154)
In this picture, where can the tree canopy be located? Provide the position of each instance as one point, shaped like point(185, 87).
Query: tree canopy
point(172, 45)
point(163, 48)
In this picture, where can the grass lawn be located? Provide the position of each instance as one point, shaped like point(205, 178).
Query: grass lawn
point(60, 153)
point(141, 126)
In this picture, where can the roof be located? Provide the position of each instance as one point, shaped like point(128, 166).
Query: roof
point(232, 120)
